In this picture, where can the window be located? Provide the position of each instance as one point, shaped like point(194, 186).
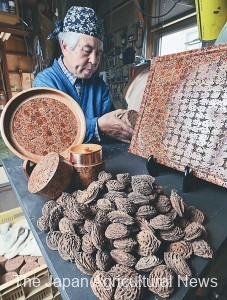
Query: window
point(182, 40)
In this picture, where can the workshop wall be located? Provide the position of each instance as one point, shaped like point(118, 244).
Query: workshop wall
point(124, 46)
point(127, 46)
point(19, 63)
point(30, 53)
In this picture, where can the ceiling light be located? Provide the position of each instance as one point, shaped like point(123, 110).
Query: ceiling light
point(4, 36)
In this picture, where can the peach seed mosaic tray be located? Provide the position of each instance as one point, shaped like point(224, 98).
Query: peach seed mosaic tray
point(183, 115)
point(38, 121)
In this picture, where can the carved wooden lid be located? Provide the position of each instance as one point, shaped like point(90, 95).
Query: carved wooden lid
point(38, 121)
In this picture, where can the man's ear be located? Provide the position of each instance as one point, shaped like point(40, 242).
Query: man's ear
point(63, 45)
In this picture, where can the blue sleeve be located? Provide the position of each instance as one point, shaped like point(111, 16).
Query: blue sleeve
point(106, 100)
point(41, 81)
point(106, 105)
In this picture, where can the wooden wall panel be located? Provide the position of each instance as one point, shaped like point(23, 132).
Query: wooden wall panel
point(19, 62)
point(15, 82)
point(27, 80)
point(20, 82)
point(16, 45)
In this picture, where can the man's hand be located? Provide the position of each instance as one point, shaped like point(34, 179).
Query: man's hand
point(115, 128)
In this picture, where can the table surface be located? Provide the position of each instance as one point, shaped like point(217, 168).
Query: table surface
point(210, 198)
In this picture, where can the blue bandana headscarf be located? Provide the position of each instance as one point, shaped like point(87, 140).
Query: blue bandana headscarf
point(81, 20)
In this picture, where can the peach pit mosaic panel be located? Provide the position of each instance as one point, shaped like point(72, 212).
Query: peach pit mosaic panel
point(43, 125)
point(183, 115)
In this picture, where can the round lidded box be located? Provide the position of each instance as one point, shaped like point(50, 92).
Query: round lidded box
point(51, 176)
point(38, 121)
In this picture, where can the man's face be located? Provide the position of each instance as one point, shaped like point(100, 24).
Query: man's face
point(85, 58)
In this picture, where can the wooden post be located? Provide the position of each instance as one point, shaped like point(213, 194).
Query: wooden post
point(150, 35)
point(5, 70)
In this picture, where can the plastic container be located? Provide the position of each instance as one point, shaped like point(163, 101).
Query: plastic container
point(12, 216)
point(34, 285)
point(12, 7)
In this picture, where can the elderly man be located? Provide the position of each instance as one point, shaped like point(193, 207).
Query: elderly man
point(81, 41)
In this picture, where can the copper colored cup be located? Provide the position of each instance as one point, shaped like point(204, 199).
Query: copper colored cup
point(85, 154)
point(88, 174)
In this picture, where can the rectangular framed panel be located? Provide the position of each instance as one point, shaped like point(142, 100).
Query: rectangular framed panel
point(183, 115)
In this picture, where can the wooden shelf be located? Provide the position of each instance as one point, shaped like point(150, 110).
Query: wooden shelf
point(9, 18)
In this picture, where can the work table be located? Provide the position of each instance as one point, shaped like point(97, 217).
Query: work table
point(209, 198)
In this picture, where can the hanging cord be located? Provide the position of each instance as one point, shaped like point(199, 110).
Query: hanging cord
point(139, 27)
point(111, 14)
point(154, 17)
point(2, 78)
point(25, 42)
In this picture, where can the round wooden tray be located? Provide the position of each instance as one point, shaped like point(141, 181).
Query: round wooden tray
point(133, 92)
point(42, 120)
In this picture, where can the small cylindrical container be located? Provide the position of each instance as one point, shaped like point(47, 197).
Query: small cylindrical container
point(12, 7)
point(85, 154)
point(87, 161)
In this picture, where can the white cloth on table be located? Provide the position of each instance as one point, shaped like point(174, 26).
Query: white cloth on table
point(17, 240)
